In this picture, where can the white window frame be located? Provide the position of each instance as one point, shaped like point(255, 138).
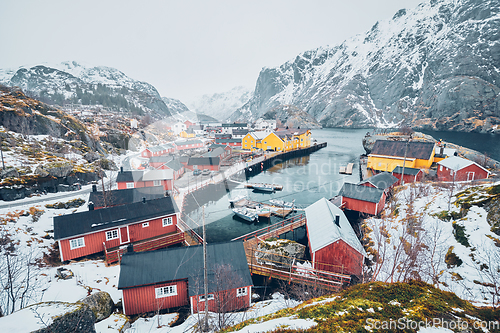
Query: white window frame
point(112, 234)
point(241, 292)
point(156, 182)
point(76, 243)
point(209, 296)
point(166, 291)
point(130, 185)
point(145, 224)
point(167, 221)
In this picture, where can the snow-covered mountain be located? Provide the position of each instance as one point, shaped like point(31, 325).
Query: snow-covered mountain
point(71, 82)
point(435, 66)
point(221, 105)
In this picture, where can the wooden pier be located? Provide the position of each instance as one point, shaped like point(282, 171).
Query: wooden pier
point(294, 272)
point(346, 169)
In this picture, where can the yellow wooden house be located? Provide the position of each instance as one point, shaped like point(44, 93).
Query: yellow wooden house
point(387, 155)
point(281, 140)
point(188, 133)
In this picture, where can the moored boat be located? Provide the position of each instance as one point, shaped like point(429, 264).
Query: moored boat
point(245, 214)
point(263, 188)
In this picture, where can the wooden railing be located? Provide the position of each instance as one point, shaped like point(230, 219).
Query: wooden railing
point(185, 228)
point(114, 255)
point(297, 219)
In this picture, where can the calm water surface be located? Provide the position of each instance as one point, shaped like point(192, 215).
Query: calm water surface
point(305, 180)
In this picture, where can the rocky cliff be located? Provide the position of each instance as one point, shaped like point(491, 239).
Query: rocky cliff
point(436, 66)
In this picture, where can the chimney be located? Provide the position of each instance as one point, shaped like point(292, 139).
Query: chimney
point(441, 151)
point(337, 220)
point(130, 248)
point(121, 169)
point(143, 200)
point(94, 188)
point(91, 205)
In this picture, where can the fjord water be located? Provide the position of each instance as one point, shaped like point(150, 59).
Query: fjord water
point(304, 179)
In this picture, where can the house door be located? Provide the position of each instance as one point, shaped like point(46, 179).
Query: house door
point(124, 238)
point(470, 176)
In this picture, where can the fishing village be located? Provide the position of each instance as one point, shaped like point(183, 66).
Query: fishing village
point(158, 212)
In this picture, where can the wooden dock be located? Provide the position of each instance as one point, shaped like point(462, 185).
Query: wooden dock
point(292, 273)
point(347, 170)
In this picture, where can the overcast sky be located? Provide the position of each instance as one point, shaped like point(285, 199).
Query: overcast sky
point(184, 48)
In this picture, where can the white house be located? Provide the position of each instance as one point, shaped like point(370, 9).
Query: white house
point(178, 127)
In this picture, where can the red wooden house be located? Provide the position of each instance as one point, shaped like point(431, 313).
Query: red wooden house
point(217, 152)
point(202, 163)
point(364, 199)
point(411, 175)
point(122, 197)
point(159, 150)
point(84, 233)
point(136, 179)
point(188, 144)
point(456, 168)
point(333, 244)
point(157, 161)
point(152, 281)
point(175, 165)
point(229, 142)
point(384, 181)
point(188, 123)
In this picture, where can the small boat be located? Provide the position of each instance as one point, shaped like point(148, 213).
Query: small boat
point(281, 203)
point(245, 214)
point(263, 188)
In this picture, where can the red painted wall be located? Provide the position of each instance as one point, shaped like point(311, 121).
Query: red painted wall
point(223, 301)
point(409, 178)
point(445, 175)
point(143, 299)
point(166, 183)
point(332, 257)
point(364, 206)
point(94, 242)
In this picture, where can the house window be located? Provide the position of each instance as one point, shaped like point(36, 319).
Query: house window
point(130, 185)
point(166, 291)
point(76, 243)
point(112, 234)
point(241, 292)
point(209, 297)
point(167, 221)
point(156, 182)
point(145, 224)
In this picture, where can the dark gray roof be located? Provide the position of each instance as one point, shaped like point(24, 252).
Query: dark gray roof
point(383, 180)
point(147, 268)
point(420, 150)
point(243, 131)
point(129, 176)
point(214, 152)
point(235, 125)
point(408, 171)
point(187, 142)
point(75, 224)
point(174, 165)
point(223, 141)
point(360, 192)
point(160, 159)
point(126, 196)
point(204, 161)
point(155, 149)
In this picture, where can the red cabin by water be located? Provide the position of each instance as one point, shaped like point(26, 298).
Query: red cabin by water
point(333, 244)
point(170, 278)
point(364, 199)
point(456, 168)
point(84, 233)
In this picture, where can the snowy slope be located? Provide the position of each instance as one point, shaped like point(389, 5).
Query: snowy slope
point(439, 61)
point(221, 105)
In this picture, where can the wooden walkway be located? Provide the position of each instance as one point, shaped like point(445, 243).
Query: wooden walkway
point(286, 268)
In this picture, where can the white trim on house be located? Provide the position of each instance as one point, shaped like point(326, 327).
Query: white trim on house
point(167, 221)
point(112, 234)
point(210, 297)
point(77, 243)
point(241, 292)
point(145, 224)
point(166, 291)
point(130, 184)
point(61, 252)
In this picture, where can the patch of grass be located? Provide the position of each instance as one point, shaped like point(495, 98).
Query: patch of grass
point(451, 259)
point(459, 234)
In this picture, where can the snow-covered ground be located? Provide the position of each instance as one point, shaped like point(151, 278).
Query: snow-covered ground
point(413, 242)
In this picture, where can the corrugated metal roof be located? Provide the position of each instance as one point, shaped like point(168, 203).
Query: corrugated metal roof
point(160, 159)
point(259, 135)
point(416, 149)
point(322, 230)
point(160, 174)
point(126, 196)
point(383, 180)
point(187, 142)
point(408, 171)
point(455, 163)
point(174, 165)
point(129, 176)
point(360, 192)
point(204, 161)
point(146, 268)
point(70, 225)
point(215, 152)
